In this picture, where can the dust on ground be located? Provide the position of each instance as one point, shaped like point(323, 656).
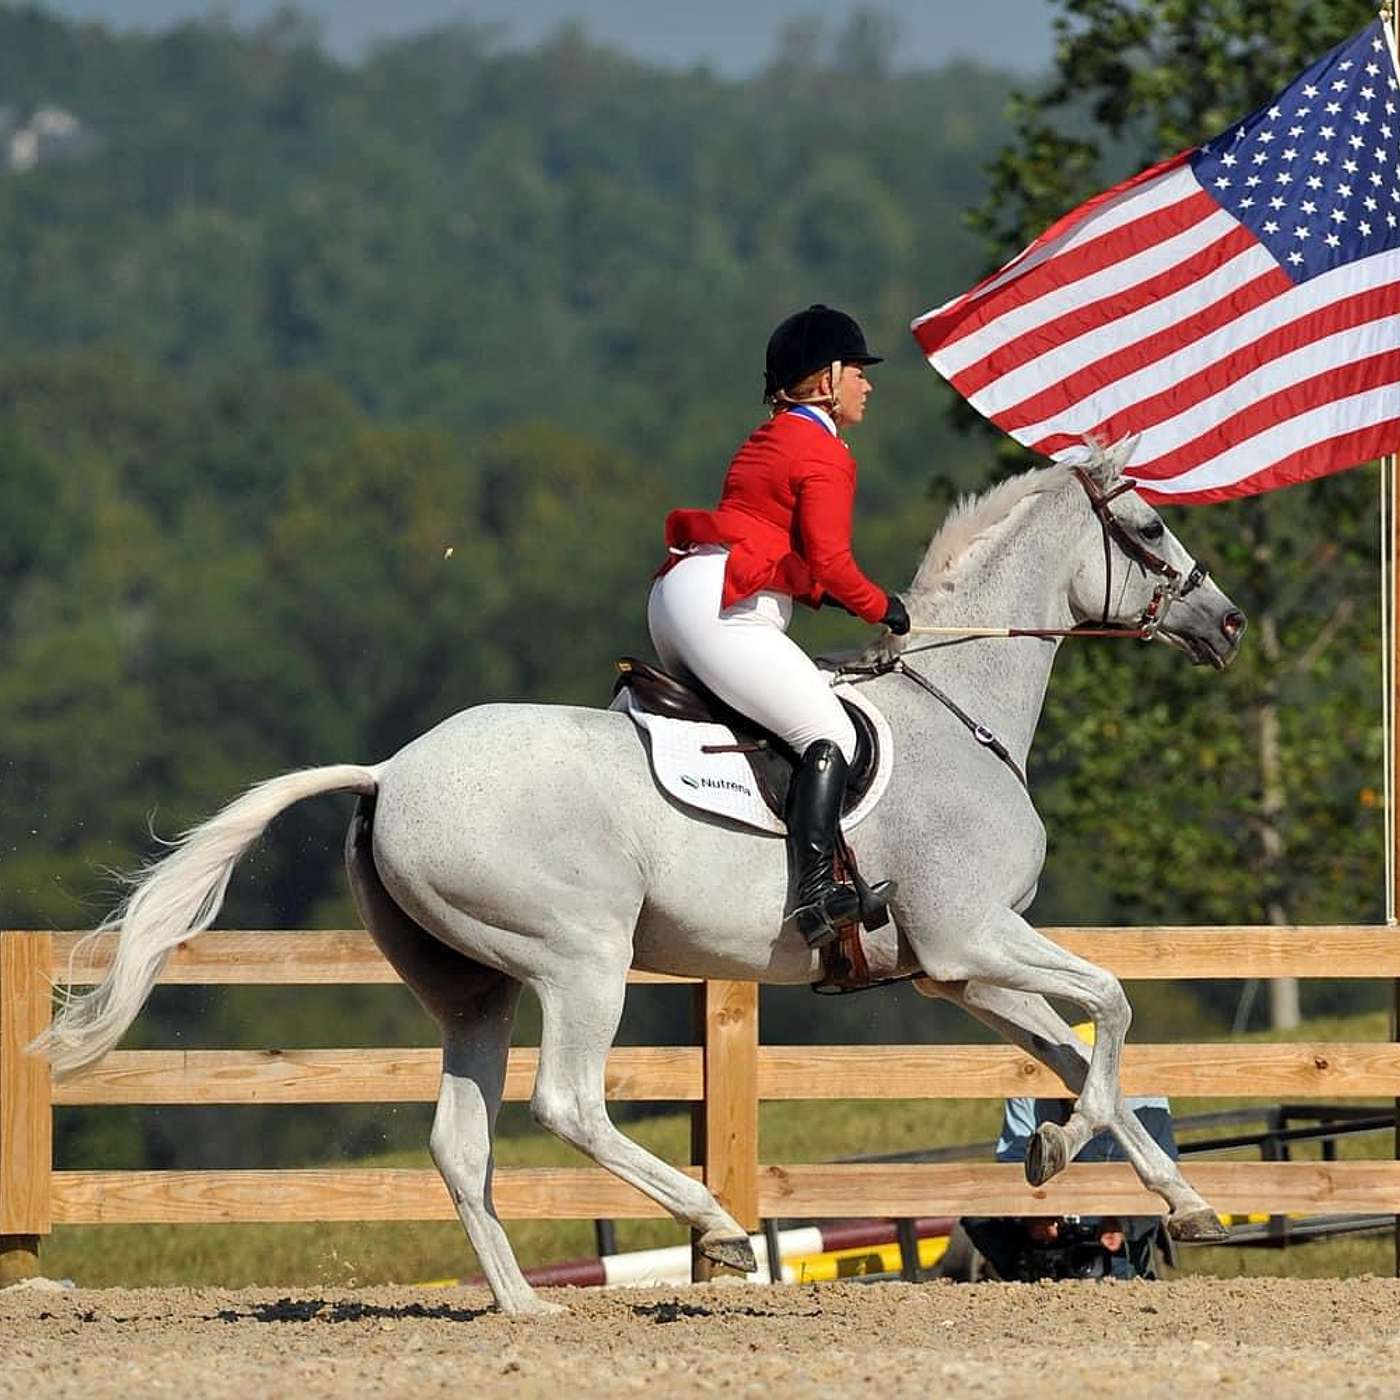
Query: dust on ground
point(1275, 1337)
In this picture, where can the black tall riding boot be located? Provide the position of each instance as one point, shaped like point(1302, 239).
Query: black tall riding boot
point(817, 905)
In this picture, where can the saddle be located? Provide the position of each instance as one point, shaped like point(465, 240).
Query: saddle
point(773, 762)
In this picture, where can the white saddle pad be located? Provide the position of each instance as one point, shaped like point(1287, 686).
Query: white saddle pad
point(723, 783)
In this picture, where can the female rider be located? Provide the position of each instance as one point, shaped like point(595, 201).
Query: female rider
point(720, 607)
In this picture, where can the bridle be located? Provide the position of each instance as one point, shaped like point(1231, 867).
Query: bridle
point(1171, 586)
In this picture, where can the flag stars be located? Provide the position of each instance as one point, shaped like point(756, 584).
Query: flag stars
point(1332, 241)
point(1296, 131)
point(1362, 118)
point(1246, 203)
point(1314, 182)
point(1300, 232)
point(1283, 178)
point(1310, 91)
point(1350, 166)
point(1370, 203)
point(1344, 191)
point(1277, 202)
point(1270, 226)
point(1356, 142)
point(1295, 257)
point(1365, 228)
point(1391, 220)
point(1290, 154)
point(1223, 182)
point(1337, 216)
point(1228, 160)
point(1252, 181)
point(1260, 157)
point(1321, 158)
point(1340, 85)
point(1332, 108)
point(1309, 207)
point(1368, 93)
point(1328, 131)
point(1266, 136)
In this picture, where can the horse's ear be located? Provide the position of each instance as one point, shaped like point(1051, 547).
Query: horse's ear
point(1105, 463)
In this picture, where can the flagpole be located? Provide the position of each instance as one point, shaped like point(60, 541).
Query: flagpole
point(1390, 679)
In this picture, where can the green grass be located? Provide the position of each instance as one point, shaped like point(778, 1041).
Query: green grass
point(350, 1255)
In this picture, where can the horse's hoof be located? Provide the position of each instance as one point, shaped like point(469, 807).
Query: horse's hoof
point(1047, 1153)
point(733, 1251)
point(1198, 1226)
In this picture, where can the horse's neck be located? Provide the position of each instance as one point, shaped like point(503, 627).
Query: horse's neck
point(1020, 579)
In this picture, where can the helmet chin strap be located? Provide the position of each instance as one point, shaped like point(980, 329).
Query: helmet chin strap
point(829, 401)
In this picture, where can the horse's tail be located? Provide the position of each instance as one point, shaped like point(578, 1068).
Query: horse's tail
point(173, 899)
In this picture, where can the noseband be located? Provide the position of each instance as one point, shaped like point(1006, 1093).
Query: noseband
point(1172, 585)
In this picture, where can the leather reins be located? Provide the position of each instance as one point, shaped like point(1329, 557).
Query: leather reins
point(1171, 587)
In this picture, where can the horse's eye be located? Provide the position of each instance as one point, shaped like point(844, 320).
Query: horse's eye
point(1153, 531)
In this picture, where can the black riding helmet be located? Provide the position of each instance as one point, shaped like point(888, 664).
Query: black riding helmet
point(811, 340)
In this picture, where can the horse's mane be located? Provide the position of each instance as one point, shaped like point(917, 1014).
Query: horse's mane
point(977, 518)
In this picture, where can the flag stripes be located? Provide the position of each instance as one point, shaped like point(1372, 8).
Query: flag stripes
point(1238, 306)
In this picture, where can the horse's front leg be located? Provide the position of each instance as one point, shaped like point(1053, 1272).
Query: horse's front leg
point(581, 1009)
point(1031, 1023)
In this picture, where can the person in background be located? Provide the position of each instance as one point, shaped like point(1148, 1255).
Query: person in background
point(1028, 1249)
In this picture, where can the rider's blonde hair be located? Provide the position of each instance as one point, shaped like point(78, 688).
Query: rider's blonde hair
point(808, 390)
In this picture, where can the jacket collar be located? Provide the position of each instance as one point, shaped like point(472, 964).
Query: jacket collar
point(817, 415)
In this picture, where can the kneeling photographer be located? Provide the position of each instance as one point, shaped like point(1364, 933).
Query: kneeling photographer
point(1028, 1249)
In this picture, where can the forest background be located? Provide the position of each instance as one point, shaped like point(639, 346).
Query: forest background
point(336, 398)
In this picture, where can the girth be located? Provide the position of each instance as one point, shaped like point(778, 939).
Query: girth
point(773, 761)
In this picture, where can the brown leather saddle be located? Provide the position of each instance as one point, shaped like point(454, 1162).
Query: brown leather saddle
point(656, 692)
point(773, 762)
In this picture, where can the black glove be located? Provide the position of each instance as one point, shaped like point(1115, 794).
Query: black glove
point(896, 616)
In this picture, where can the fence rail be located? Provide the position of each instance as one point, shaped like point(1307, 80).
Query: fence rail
point(726, 1076)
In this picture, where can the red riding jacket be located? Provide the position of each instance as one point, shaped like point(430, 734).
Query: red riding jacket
point(785, 516)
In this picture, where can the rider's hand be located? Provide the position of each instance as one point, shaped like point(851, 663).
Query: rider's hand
point(896, 616)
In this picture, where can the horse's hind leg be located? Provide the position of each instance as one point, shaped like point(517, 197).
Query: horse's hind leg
point(475, 1007)
point(1003, 950)
point(580, 1018)
point(1030, 1022)
point(473, 1074)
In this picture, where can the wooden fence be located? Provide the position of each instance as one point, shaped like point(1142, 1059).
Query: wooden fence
point(726, 1076)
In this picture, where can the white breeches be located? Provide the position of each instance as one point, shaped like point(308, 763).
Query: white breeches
point(743, 653)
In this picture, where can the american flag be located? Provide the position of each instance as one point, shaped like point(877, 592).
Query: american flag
point(1237, 305)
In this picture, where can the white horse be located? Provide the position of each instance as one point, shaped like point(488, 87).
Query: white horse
point(528, 845)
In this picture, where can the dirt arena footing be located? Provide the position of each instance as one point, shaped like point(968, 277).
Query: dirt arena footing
point(1274, 1337)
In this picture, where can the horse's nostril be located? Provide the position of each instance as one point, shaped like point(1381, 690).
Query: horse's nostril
point(1233, 624)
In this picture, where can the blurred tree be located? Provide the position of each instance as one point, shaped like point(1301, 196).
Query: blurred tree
point(1253, 794)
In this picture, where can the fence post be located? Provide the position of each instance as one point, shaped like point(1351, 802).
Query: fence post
point(26, 1104)
point(725, 1134)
